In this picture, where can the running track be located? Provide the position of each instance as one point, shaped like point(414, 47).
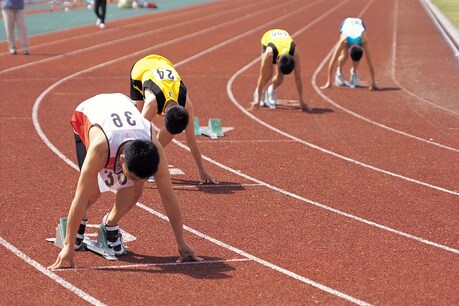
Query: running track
point(356, 202)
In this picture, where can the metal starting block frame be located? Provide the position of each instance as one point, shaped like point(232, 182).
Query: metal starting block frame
point(213, 129)
point(99, 247)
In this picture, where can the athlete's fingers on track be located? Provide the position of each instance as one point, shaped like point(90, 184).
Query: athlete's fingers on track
point(60, 264)
point(189, 256)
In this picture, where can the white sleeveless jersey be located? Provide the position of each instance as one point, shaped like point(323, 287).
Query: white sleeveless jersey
point(353, 29)
point(120, 121)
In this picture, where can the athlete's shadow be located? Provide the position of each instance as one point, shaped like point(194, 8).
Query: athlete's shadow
point(293, 105)
point(209, 268)
point(313, 111)
point(193, 186)
point(366, 87)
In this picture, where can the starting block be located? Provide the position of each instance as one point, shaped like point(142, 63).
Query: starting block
point(213, 129)
point(99, 247)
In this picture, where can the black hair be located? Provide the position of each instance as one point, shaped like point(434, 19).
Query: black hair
point(286, 63)
point(176, 119)
point(141, 158)
point(356, 52)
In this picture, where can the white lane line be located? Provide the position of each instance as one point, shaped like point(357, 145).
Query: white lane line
point(393, 63)
point(80, 293)
point(164, 264)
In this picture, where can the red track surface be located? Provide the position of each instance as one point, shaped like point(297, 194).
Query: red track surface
point(356, 202)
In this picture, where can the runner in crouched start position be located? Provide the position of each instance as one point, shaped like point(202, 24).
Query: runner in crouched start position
point(353, 42)
point(158, 90)
point(279, 57)
point(116, 149)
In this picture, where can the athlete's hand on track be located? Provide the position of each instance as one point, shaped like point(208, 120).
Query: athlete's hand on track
point(64, 259)
point(252, 106)
point(373, 87)
point(187, 253)
point(206, 178)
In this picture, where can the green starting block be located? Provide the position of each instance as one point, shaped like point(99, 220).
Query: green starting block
point(197, 128)
point(99, 247)
point(213, 129)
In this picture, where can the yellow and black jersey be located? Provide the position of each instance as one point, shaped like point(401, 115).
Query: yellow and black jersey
point(159, 75)
point(280, 41)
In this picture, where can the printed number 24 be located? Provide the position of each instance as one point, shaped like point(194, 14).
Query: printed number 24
point(165, 74)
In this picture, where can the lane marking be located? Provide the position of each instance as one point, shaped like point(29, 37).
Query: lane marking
point(80, 293)
point(393, 65)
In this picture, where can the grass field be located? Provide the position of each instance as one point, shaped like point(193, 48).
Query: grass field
point(450, 8)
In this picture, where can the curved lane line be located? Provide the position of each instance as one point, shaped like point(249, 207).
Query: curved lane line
point(394, 58)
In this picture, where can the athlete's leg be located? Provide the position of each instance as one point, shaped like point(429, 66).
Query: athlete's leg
point(126, 199)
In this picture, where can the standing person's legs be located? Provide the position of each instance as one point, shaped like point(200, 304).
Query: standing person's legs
point(22, 29)
point(96, 11)
point(8, 20)
point(103, 9)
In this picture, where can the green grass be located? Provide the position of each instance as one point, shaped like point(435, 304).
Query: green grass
point(450, 8)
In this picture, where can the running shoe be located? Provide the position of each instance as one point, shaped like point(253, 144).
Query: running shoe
point(114, 237)
point(355, 79)
point(271, 99)
point(339, 79)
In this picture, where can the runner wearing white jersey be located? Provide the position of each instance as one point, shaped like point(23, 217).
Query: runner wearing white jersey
point(353, 42)
point(116, 149)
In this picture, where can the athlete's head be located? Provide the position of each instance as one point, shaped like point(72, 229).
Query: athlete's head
point(141, 158)
point(176, 119)
point(286, 63)
point(356, 52)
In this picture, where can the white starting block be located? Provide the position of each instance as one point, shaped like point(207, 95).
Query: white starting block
point(212, 130)
point(99, 247)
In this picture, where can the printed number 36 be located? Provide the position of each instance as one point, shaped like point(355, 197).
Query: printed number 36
point(118, 122)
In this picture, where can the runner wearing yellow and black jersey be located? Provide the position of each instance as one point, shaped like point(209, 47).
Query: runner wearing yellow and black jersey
point(158, 90)
point(278, 50)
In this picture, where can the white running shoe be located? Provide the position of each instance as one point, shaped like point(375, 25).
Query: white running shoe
point(102, 26)
point(98, 22)
point(262, 99)
point(271, 99)
point(355, 79)
point(339, 79)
